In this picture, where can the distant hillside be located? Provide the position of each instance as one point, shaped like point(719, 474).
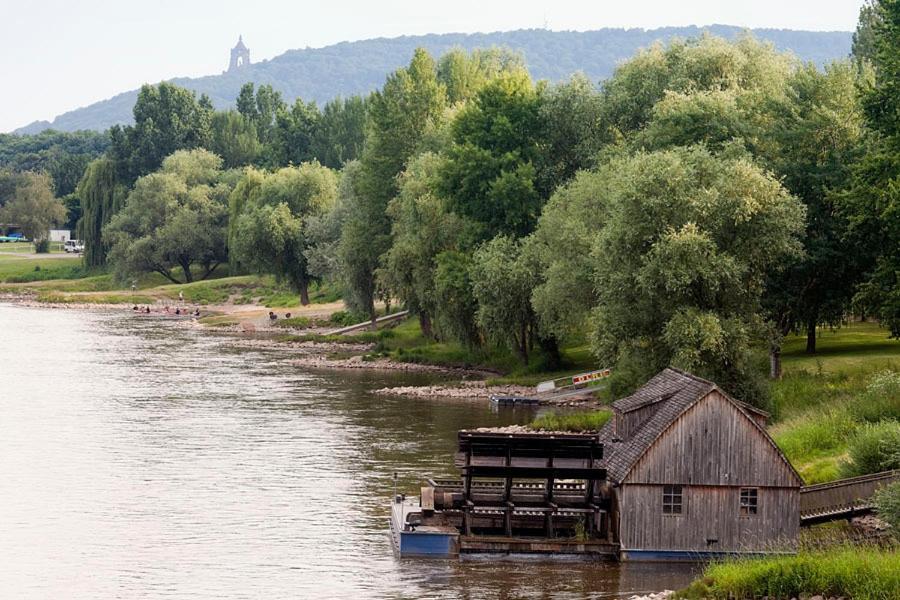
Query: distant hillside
point(350, 68)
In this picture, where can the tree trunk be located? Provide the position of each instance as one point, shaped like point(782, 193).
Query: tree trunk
point(550, 347)
point(811, 336)
point(209, 270)
point(304, 293)
point(425, 325)
point(523, 343)
point(188, 277)
point(775, 362)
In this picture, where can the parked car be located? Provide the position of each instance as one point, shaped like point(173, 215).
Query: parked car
point(74, 246)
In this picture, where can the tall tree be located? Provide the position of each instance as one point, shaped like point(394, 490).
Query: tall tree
point(295, 129)
point(818, 138)
point(504, 275)
point(870, 18)
point(421, 229)
point(572, 131)
point(341, 132)
point(166, 118)
point(873, 203)
point(681, 263)
point(399, 114)
point(271, 234)
point(464, 74)
point(101, 197)
point(261, 108)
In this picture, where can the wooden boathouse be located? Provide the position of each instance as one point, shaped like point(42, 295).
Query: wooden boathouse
point(681, 471)
point(691, 471)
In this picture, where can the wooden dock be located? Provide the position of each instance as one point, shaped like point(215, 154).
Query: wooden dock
point(842, 499)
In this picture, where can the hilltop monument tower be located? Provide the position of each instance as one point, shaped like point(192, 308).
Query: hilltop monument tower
point(240, 55)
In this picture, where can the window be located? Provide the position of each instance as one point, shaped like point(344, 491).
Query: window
point(671, 499)
point(748, 501)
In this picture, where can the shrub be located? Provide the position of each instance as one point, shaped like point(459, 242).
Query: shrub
point(887, 505)
point(294, 322)
point(345, 318)
point(42, 246)
point(881, 400)
point(875, 447)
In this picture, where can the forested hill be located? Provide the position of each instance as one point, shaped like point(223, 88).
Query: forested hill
point(350, 68)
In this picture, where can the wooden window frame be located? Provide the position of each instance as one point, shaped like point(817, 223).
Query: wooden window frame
point(748, 502)
point(673, 500)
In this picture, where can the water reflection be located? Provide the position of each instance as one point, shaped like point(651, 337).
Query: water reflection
point(140, 458)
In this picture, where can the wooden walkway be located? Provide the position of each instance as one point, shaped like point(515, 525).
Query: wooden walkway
point(397, 316)
point(841, 499)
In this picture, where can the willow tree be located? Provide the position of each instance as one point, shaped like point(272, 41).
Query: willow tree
point(270, 235)
point(101, 197)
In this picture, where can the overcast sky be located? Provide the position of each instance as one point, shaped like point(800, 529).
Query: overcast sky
point(57, 55)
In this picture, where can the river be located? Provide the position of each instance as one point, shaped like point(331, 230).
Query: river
point(142, 458)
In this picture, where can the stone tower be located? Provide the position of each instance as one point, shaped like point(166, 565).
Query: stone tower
point(240, 55)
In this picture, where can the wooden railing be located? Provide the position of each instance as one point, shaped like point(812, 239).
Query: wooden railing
point(843, 498)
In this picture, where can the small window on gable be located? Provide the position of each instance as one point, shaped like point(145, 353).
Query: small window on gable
point(749, 501)
point(671, 499)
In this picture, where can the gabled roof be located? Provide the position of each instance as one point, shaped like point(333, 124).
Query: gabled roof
point(676, 391)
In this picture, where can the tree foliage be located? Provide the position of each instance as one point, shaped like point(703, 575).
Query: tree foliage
point(873, 202)
point(399, 114)
point(270, 234)
point(33, 207)
point(681, 263)
point(503, 277)
point(421, 229)
point(166, 118)
point(101, 197)
point(489, 175)
point(174, 218)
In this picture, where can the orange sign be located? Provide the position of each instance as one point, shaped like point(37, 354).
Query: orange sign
point(592, 376)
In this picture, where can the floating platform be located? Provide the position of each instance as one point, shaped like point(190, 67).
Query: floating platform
point(514, 400)
point(412, 538)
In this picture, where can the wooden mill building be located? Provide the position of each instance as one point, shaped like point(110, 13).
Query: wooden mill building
point(692, 471)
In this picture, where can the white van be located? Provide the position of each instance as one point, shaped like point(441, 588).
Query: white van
point(74, 246)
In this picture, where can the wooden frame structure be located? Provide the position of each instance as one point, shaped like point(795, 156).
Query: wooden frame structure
point(536, 457)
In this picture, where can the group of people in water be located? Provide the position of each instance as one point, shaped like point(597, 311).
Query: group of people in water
point(177, 312)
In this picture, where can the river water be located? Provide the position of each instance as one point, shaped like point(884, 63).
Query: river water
point(141, 458)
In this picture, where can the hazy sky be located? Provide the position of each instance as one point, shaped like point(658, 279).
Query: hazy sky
point(56, 55)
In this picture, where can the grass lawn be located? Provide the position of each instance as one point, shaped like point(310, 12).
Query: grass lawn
point(28, 247)
point(18, 269)
point(857, 346)
point(823, 399)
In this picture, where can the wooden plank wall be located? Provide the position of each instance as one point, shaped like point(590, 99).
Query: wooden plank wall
point(708, 513)
point(714, 443)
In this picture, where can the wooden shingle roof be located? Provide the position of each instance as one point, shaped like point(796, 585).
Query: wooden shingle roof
point(676, 390)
